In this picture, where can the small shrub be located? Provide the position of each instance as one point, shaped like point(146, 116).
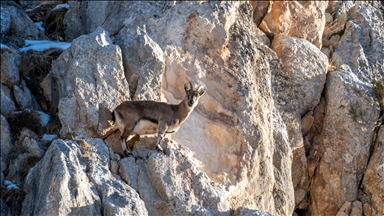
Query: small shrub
point(331, 66)
point(54, 24)
point(54, 125)
point(13, 198)
point(85, 147)
point(26, 164)
point(24, 119)
point(353, 112)
point(378, 89)
point(34, 67)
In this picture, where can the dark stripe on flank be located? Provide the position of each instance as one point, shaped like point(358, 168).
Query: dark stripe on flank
point(150, 119)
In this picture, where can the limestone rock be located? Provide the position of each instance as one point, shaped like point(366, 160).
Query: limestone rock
point(373, 183)
point(33, 147)
point(66, 182)
point(367, 209)
point(307, 122)
point(10, 60)
point(24, 97)
point(284, 189)
point(361, 47)
point(90, 81)
point(15, 22)
point(297, 90)
point(332, 31)
point(357, 209)
point(7, 104)
point(211, 43)
point(337, 8)
point(346, 208)
point(307, 77)
point(163, 187)
point(4, 210)
point(344, 94)
point(6, 143)
point(296, 19)
point(144, 64)
point(85, 17)
point(350, 119)
point(260, 9)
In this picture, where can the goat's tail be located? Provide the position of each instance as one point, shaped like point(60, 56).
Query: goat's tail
point(113, 117)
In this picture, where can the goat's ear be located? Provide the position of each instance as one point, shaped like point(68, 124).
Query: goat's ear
point(185, 87)
point(201, 90)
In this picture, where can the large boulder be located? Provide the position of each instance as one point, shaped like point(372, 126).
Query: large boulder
point(336, 179)
point(230, 132)
point(90, 83)
point(10, 60)
point(73, 178)
point(15, 23)
point(7, 104)
point(361, 46)
point(6, 142)
point(302, 19)
point(171, 184)
point(373, 184)
point(297, 91)
point(345, 140)
point(305, 69)
point(144, 64)
point(24, 97)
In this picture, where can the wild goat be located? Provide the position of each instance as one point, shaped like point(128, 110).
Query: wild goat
point(151, 117)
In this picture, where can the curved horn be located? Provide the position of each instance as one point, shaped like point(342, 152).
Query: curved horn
point(190, 84)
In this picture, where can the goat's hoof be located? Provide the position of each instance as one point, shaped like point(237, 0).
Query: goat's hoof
point(159, 149)
point(128, 153)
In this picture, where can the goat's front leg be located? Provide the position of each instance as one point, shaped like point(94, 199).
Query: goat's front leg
point(160, 136)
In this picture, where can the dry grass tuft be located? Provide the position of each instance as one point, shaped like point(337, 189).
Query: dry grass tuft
point(54, 24)
point(353, 112)
point(34, 67)
point(26, 164)
point(24, 119)
point(378, 89)
point(331, 67)
point(54, 125)
point(13, 198)
point(85, 147)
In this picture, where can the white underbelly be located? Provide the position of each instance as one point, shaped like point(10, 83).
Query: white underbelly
point(145, 127)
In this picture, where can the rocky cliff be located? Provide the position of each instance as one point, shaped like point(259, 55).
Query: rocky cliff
point(290, 123)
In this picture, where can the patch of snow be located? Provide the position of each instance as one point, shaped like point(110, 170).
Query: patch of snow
point(10, 185)
point(60, 6)
point(41, 45)
point(48, 137)
point(7, 182)
point(3, 46)
point(40, 25)
point(44, 118)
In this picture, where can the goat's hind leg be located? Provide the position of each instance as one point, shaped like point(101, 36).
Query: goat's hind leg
point(123, 137)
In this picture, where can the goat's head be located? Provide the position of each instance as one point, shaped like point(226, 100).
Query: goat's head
point(193, 95)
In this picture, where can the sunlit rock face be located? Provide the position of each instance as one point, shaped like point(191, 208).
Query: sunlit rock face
point(301, 19)
point(231, 131)
point(352, 111)
point(290, 123)
point(87, 83)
